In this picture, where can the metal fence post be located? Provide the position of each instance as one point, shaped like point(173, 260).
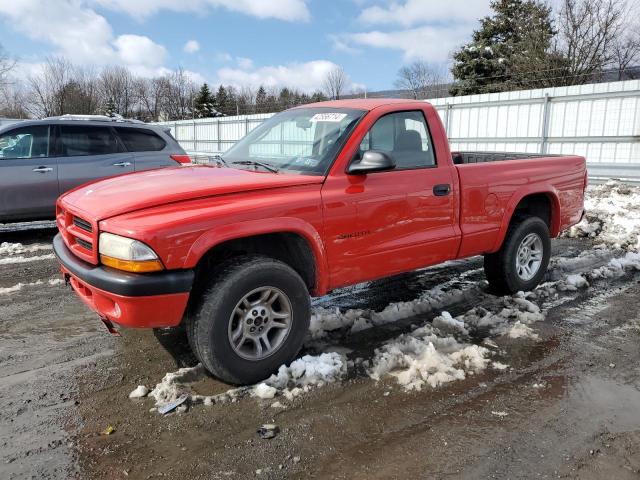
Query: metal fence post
point(195, 136)
point(447, 115)
point(544, 140)
point(218, 134)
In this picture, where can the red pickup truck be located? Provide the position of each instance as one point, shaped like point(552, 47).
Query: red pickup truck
point(316, 198)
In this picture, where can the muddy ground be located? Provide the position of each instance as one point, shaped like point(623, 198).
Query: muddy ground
point(569, 406)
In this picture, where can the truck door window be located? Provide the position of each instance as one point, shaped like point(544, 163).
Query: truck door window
point(25, 142)
point(402, 135)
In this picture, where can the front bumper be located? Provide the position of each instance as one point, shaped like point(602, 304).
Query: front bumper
point(155, 300)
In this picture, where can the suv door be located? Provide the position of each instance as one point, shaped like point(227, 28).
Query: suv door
point(89, 152)
point(147, 147)
point(28, 176)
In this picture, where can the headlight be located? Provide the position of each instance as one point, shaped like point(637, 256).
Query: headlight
point(127, 254)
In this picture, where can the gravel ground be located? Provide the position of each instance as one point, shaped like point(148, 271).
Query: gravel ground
point(566, 407)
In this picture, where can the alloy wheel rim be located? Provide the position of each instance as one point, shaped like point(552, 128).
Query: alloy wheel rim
point(529, 256)
point(260, 323)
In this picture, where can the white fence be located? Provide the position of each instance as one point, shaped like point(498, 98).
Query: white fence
point(599, 121)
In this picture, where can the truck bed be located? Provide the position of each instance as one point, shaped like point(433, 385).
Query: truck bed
point(462, 158)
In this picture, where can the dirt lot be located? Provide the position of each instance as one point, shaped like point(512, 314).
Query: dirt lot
point(565, 407)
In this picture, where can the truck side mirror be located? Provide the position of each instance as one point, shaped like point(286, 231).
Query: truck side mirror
point(372, 161)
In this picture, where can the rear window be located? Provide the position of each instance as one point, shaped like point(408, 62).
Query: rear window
point(79, 140)
point(140, 140)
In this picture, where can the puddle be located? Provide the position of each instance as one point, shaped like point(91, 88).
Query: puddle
point(606, 402)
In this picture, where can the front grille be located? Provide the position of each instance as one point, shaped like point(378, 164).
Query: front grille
point(79, 235)
point(83, 224)
point(84, 244)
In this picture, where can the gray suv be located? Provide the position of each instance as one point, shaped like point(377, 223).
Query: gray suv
point(41, 159)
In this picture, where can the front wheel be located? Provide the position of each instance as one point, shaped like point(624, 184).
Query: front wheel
point(522, 261)
point(250, 320)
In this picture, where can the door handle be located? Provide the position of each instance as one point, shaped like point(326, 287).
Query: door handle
point(442, 190)
point(43, 169)
point(122, 164)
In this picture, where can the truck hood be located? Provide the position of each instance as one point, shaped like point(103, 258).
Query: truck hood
point(128, 193)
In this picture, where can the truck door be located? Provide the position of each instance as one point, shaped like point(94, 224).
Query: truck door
point(404, 217)
point(89, 152)
point(28, 175)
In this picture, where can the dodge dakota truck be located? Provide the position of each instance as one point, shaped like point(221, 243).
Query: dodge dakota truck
point(315, 198)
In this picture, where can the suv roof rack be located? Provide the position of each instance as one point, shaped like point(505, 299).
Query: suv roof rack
point(95, 118)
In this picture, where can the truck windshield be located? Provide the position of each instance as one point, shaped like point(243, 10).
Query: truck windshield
point(303, 140)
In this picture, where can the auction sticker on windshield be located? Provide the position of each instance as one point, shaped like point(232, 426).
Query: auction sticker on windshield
point(328, 117)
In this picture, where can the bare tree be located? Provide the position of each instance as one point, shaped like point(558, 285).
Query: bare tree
point(48, 88)
point(626, 51)
point(419, 79)
point(587, 34)
point(335, 82)
point(180, 95)
point(150, 94)
point(117, 84)
point(6, 66)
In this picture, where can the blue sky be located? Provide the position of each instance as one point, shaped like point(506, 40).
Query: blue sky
point(242, 42)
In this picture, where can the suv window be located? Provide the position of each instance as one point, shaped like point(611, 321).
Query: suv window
point(404, 136)
point(25, 142)
point(140, 140)
point(79, 140)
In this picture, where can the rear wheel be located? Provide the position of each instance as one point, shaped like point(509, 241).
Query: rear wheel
point(251, 319)
point(522, 261)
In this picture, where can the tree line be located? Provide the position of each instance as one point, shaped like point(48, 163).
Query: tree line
point(524, 44)
point(60, 87)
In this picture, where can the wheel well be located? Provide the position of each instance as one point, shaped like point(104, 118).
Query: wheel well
point(287, 247)
point(535, 205)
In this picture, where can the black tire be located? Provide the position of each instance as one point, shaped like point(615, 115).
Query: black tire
point(208, 320)
point(500, 267)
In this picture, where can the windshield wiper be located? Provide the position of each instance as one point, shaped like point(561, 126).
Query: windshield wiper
point(266, 166)
point(220, 160)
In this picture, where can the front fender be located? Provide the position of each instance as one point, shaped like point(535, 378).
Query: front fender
point(223, 233)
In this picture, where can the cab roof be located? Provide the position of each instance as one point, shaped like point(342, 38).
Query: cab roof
point(363, 103)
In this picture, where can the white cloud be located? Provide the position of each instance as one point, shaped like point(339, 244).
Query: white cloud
point(429, 30)
point(244, 63)
point(138, 50)
point(415, 12)
point(307, 77)
point(192, 46)
point(80, 34)
point(287, 10)
point(433, 44)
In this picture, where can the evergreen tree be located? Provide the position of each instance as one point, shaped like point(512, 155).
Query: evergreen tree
point(222, 100)
point(318, 96)
point(496, 59)
point(261, 100)
point(205, 103)
point(110, 109)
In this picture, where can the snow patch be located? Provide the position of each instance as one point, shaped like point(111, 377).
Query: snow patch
point(423, 358)
point(20, 286)
point(22, 259)
point(264, 391)
point(310, 371)
point(139, 392)
point(520, 330)
point(612, 215)
point(7, 248)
